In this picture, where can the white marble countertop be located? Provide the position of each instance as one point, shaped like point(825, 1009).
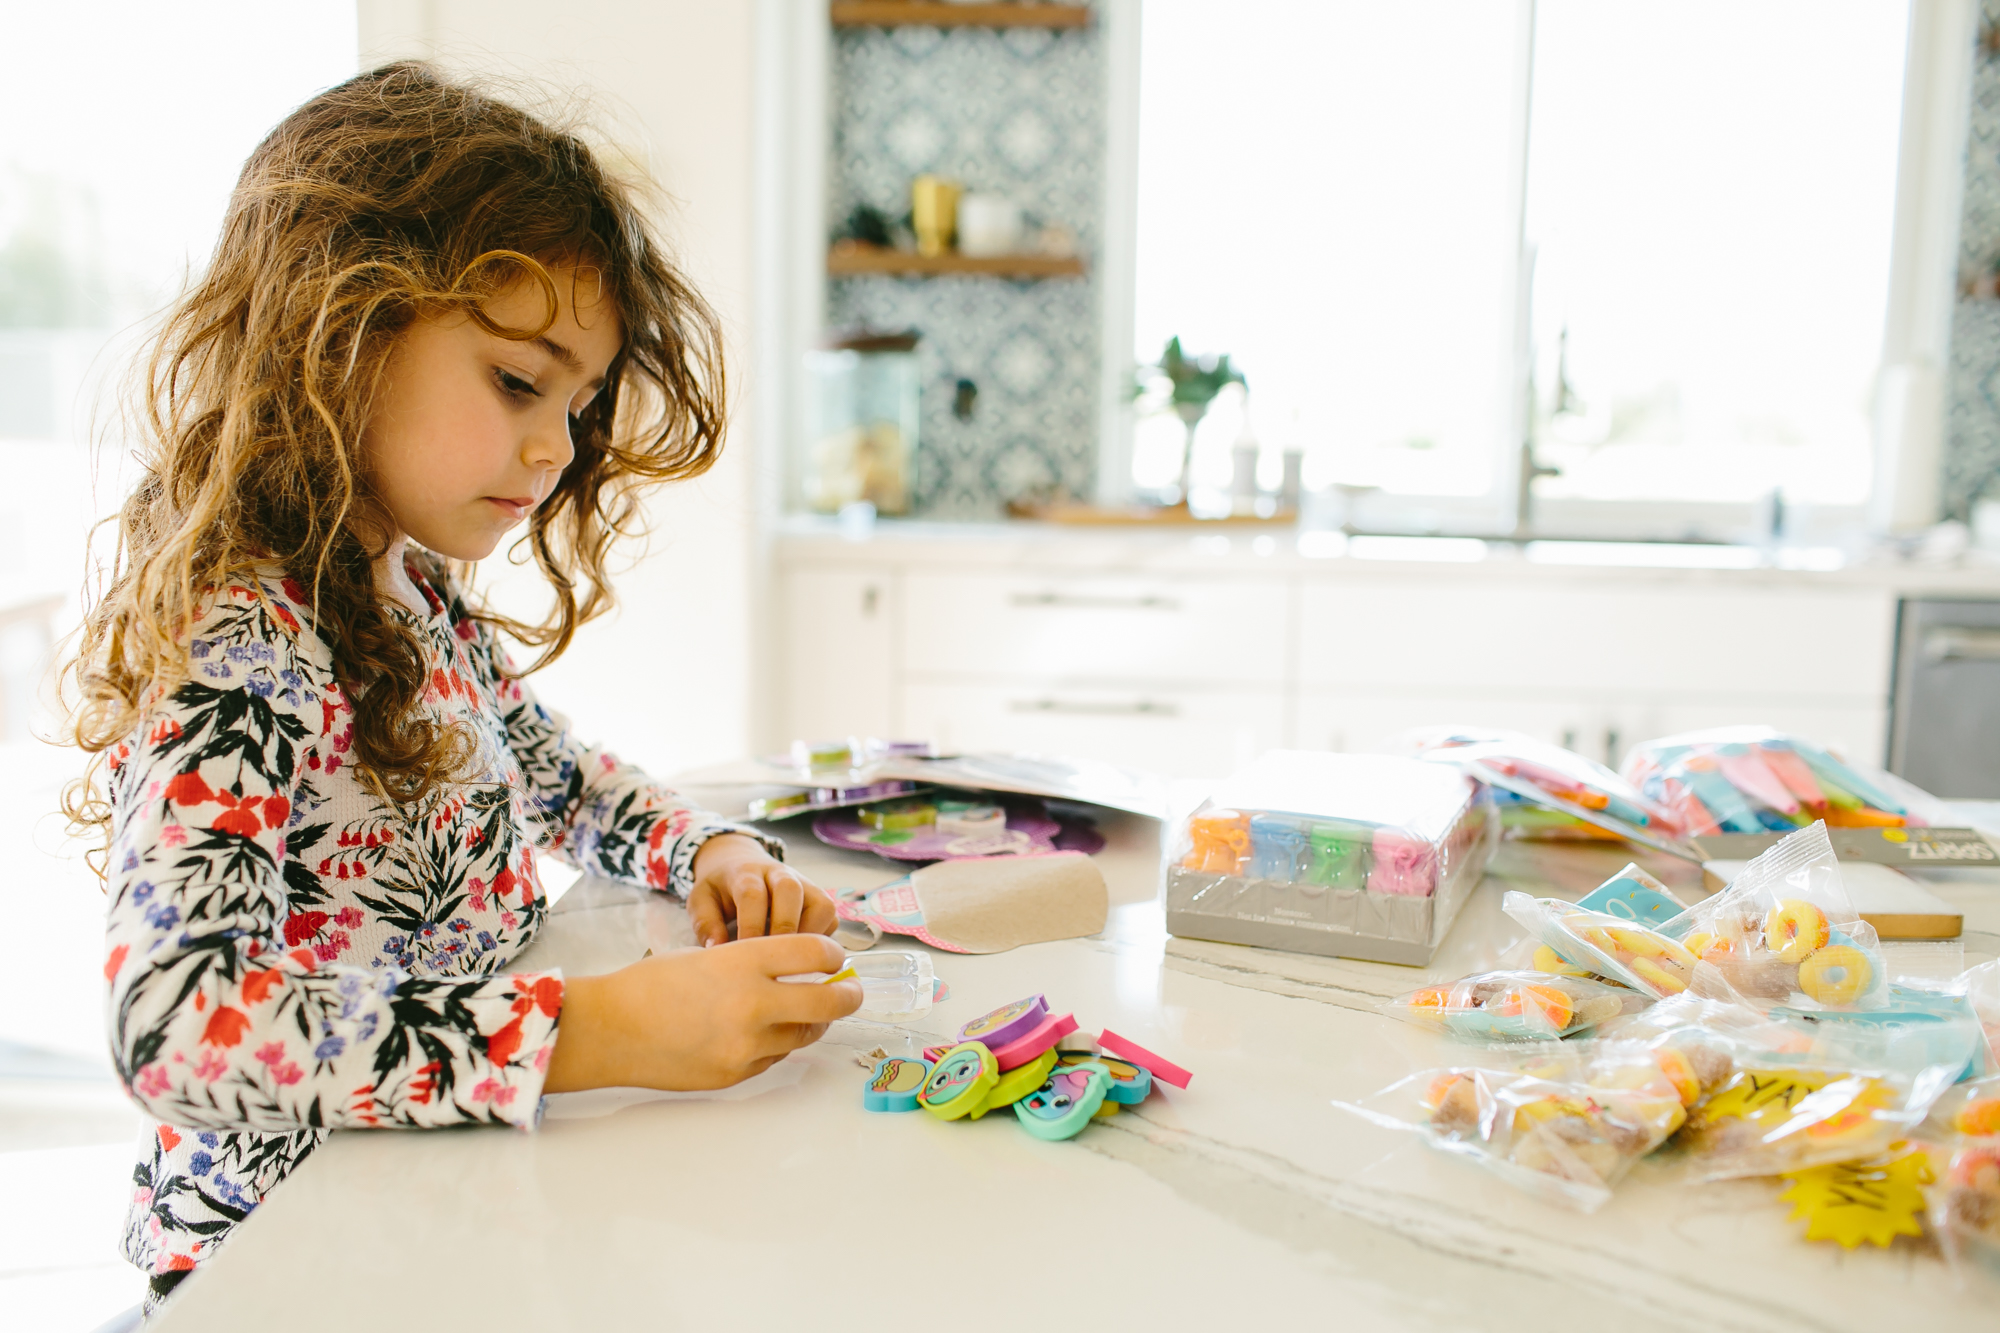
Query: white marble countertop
point(1246, 1199)
point(1235, 550)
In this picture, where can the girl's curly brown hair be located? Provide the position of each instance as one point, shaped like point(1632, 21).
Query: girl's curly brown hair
point(395, 194)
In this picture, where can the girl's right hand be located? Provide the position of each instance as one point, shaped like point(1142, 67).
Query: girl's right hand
point(698, 1018)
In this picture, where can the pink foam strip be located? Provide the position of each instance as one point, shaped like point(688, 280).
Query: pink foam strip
point(1162, 1069)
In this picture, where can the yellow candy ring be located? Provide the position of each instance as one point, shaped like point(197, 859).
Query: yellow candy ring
point(1655, 975)
point(1548, 960)
point(1795, 929)
point(1713, 948)
point(1839, 974)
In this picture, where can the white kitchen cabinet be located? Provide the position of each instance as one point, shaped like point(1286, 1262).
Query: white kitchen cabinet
point(839, 652)
point(1152, 654)
point(1077, 627)
point(1180, 732)
point(1831, 645)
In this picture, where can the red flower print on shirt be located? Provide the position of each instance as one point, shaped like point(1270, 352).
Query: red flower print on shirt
point(116, 961)
point(257, 986)
point(170, 1138)
point(302, 926)
point(226, 1027)
point(500, 1047)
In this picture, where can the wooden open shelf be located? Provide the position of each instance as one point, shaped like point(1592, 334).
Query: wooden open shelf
point(902, 13)
point(848, 261)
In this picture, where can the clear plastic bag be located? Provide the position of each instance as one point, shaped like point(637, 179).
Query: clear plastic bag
point(1786, 932)
point(1362, 856)
point(1970, 1109)
point(1544, 791)
point(1785, 1093)
point(1965, 1200)
point(1634, 955)
point(1514, 1006)
point(1759, 780)
point(1566, 1124)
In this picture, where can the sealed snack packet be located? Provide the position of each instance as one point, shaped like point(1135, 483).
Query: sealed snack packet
point(1756, 780)
point(1786, 931)
point(1970, 1109)
point(1559, 1125)
point(1514, 1006)
point(1965, 1204)
point(1618, 947)
point(1545, 792)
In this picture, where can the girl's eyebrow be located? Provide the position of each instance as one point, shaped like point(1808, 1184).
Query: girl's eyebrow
point(568, 359)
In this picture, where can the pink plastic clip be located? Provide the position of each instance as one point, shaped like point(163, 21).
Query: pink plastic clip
point(1162, 1069)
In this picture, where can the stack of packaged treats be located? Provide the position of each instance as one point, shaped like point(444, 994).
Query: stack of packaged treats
point(1360, 856)
point(1756, 1034)
point(1055, 1079)
point(1544, 792)
point(1757, 780)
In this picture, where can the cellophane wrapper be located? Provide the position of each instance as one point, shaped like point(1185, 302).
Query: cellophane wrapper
point(1514, 1006)
point(1533, 768)
point(1964, 1200)
point(1564, 1123)
point(1760, 780)
point(1360, 856)
point(1626, 951)
point(1785, 932)
point(1779, 1094)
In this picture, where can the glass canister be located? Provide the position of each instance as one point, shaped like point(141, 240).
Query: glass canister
point(861, 426)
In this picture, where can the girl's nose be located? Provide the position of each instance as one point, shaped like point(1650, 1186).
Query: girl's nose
point(549, 446)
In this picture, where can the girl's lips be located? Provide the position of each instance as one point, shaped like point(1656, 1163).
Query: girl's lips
point(516, 508)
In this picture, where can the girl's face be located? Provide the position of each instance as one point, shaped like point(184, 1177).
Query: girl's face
point(472, 430)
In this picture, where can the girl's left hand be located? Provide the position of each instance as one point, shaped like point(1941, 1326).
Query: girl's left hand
point(736, 880)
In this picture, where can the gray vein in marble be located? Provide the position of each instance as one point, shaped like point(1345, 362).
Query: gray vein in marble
point(1497, 1265)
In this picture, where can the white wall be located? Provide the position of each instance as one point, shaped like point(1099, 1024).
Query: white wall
point(670, 679)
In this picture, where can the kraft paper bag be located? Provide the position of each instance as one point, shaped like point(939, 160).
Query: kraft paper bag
point(987, 904)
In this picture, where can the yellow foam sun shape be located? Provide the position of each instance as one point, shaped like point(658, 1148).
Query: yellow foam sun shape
point(1875, 1200)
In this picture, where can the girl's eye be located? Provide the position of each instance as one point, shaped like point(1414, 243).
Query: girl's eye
point(514, 386)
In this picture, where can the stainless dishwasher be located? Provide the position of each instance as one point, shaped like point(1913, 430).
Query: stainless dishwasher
point(1944, 725)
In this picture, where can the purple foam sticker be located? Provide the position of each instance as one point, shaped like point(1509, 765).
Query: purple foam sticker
point(1007, 1023)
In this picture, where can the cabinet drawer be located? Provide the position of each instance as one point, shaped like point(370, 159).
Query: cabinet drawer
point(1602, 727)
point(1830, 645)
point(1182, 733)
point(839, 653)
point(1104, 629)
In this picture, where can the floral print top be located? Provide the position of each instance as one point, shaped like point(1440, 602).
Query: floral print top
point(290, 954)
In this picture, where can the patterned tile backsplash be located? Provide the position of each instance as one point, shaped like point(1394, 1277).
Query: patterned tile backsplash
point(1972, 427)
point(1018, 112)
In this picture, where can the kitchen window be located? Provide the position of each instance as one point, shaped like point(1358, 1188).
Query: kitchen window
point(1655, 240)
point(112, 189)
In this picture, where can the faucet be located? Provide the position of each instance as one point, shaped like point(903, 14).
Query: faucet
point(1524, 498)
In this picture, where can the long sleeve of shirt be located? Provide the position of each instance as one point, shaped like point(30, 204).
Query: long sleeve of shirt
point(604, 815)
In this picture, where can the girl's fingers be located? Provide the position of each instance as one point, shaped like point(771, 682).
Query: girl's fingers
point(752, 903)
point(819, 918)
point(706, 915)
point(788, 896)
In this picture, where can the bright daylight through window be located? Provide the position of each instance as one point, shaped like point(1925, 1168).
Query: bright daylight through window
point(1670, 224)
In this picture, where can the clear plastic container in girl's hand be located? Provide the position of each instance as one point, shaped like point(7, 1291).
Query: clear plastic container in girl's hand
point(896, 986)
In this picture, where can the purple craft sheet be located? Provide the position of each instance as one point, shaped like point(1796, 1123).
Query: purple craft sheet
point(1031, 831)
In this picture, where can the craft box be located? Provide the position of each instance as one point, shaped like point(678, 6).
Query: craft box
point(1353, 856)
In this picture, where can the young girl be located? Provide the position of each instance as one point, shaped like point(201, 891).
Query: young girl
point(429, 319)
